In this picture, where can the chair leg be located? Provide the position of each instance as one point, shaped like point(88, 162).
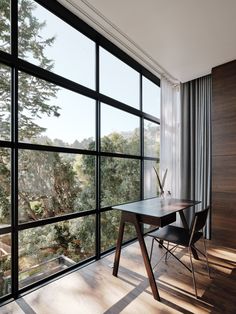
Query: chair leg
point(167, 251)
point(193, 275)
point(206, 256)
point(151, 249)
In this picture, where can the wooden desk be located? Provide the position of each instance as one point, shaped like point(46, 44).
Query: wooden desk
point(156, 211)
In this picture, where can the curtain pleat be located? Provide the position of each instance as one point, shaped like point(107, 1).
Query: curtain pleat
point(196, 98)
point(170, 137)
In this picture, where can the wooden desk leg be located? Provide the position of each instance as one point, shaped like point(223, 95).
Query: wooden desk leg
point(147, 263)
point(132, 218)
point(185, 225)
point(118, 245)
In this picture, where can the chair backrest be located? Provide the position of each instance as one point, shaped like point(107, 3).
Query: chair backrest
point(200, 218)
point(199, 221)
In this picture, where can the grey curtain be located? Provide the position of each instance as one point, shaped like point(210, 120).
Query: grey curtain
point(196, 98)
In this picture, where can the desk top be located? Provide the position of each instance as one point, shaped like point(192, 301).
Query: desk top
point(156, 207)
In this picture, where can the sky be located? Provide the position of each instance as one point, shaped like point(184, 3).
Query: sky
point(74, 56)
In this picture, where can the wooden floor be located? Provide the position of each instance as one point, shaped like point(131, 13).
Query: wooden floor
point(93, 289)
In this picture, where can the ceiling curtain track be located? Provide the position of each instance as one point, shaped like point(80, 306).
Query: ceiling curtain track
point(195, 171)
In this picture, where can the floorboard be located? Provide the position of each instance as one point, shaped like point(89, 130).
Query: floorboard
point(93, 289)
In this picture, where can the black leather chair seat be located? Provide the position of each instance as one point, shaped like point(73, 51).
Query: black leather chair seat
point(175, 235)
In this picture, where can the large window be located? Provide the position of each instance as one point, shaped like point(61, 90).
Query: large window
point(112, 70)
point(54, 184)
point(47, 41)
point(5, 102)
point(120, 180)
point(46, 250)
point(5, 187)
point(151, 98)
point(120, 131)
point(79, 133)
point(51, 115)
point(5, 25)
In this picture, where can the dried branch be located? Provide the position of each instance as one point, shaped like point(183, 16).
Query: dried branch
point(159, 181)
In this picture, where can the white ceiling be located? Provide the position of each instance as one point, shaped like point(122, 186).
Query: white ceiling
point(184, 39)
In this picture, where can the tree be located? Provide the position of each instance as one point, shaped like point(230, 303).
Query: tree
point(50, 183)
point(120, 183)
point(47, 185)
point(33, 92)
point(5, 26)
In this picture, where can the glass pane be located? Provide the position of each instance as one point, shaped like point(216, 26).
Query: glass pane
point(110, 222)
point(51, 115)
point(120, 180)
point(151, 98)
point(118, 80)
point(5, 25)
point(54, 184)
point(120, 131)
point(151, 187)
point(44, 251)
point(47, 41)
point(5, 187)
point(5, 264)
point(5, 103)
point(151, 139)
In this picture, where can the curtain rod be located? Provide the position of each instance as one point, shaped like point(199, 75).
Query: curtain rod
point(158, 69)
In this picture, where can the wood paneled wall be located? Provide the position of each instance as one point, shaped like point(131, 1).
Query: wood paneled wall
point(224, 154)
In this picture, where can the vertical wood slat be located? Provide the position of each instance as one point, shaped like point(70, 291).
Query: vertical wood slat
point(224, 153)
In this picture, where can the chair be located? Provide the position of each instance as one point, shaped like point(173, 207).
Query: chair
point(183, 237)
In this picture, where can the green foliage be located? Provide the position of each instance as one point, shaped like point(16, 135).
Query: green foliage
point(30, 41)
point(47, 185)
point(4, 186)
point(5, 25)
point(34, 95)
point(110, 222)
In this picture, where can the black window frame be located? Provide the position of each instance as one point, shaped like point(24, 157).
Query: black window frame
point(16, 64)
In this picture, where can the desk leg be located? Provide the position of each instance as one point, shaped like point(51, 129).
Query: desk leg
point(118, 245)
point(185, 225)
point(146, 259)
point(132, 218)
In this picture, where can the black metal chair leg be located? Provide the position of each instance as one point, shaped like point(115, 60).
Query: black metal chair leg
point(151, 250)
point(206, 256)
point(167, 251)
point(193, 275)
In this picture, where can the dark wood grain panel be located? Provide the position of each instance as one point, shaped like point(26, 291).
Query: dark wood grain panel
point(224, 174)
point(224, 154)
point(224, 91)
point(224, 218)
point(224, 136)
point(224, 203)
